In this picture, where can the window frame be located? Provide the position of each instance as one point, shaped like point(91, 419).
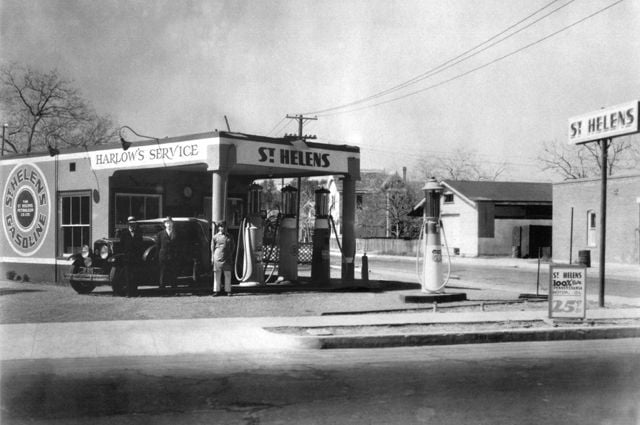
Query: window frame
point(130, 195)
point(445, 195)
point(62, 227)
point(592, 226)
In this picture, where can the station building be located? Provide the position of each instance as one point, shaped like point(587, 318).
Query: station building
point(576, 220)
point(55, 203)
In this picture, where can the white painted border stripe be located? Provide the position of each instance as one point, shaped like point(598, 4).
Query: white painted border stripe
point(27, 160)
point(32, 260)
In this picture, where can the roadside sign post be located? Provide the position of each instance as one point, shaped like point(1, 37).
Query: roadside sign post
point(601, 126)
point(567, 292)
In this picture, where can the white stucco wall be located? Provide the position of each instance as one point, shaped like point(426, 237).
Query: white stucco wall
point(460, 221)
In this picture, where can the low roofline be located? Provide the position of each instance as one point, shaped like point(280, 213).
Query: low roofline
point(592, 179)
point(187, 137)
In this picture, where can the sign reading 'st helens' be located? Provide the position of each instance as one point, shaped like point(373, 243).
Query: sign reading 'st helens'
point(617, 120)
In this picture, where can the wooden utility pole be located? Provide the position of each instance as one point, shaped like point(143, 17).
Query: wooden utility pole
point(301, 119)
point(604, 145)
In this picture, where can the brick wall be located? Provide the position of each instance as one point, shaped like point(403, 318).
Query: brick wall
point(623, 219)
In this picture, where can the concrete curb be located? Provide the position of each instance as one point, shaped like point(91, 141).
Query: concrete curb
point(455, 338)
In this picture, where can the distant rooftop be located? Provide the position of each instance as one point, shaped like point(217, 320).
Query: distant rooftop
point(502, 191)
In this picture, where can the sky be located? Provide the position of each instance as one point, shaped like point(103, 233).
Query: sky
point(177, 67)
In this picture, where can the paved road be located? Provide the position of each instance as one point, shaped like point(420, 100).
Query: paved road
point(36, 303)
point(523, 278)
point(589, 382)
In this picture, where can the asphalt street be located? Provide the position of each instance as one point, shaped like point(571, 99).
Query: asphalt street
point(516, 275)
point(588, 382)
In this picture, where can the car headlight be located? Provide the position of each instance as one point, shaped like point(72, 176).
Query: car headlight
point(104, 252)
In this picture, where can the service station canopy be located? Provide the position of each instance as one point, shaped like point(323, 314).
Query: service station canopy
point(236, 153)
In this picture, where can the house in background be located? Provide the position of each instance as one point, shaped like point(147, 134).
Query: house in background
point(496, 218)
point(576, 219)
point(383, 200)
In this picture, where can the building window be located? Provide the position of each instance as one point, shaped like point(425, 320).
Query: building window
point(591, 228)
point(359, 201)
point(141, 206)
point(448, 198)
point(75, 222)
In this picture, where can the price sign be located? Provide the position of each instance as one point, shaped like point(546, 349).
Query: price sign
point(567, 291)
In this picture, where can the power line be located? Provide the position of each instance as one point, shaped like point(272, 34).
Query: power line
point(448, 64)
point(481, 66)
point(447, 155)
point(276, 126)
point(426, 152)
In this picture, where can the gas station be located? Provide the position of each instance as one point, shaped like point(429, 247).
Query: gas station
point(55, 203)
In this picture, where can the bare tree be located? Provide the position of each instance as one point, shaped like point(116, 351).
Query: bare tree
point(43, 108)
point(582, 161)
point(461, 164)
point(385, 206)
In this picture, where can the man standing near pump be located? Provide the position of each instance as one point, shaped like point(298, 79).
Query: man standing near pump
point(132, 246)
point(222, 249)
point(167, 243)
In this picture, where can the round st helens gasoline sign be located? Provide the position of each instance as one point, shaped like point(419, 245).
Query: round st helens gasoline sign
point(26, 209)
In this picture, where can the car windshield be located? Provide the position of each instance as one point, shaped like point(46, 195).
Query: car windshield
point(150, 229)
point(188, 230)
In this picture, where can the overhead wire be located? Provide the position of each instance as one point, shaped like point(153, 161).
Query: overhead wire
point(448, 64)
point(417, 152)
point(276, 126)
point(447, 155)
point(456, 77)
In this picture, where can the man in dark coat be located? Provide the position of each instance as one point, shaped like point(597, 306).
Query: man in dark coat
point(132, 247)
point(167, 246)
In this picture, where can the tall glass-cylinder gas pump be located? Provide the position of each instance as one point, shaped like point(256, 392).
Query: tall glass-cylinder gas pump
point(288, 244)
point(432, 269)
point(250, 241)
point(321, 234)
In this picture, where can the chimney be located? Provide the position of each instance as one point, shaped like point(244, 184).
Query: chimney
point(404, 175)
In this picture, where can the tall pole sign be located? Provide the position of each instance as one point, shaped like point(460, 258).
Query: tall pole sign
point(602, 126)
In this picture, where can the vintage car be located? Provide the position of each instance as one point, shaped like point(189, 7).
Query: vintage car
point(104, 265)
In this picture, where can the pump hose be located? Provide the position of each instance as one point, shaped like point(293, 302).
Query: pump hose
point(276, 234)
point(335, 232)
point(420, 239)
point(244, 237)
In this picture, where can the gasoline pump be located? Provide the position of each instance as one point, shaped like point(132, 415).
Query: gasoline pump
point(288, 241)
point(431, 277)
point(321, 234)
point(250, 242)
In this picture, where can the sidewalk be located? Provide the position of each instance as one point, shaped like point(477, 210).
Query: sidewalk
point(96, 339)
point(201, 336)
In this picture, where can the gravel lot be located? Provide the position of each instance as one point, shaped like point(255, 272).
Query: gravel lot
point(26, 302)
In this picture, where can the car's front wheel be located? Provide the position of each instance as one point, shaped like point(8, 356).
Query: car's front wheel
point(79, 287)
point(118, 281)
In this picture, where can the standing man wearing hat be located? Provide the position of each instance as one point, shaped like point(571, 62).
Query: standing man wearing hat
point(167, 247)
point(132, 247)
point(222, 249)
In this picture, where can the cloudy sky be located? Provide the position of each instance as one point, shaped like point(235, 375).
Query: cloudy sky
point(175, 67)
